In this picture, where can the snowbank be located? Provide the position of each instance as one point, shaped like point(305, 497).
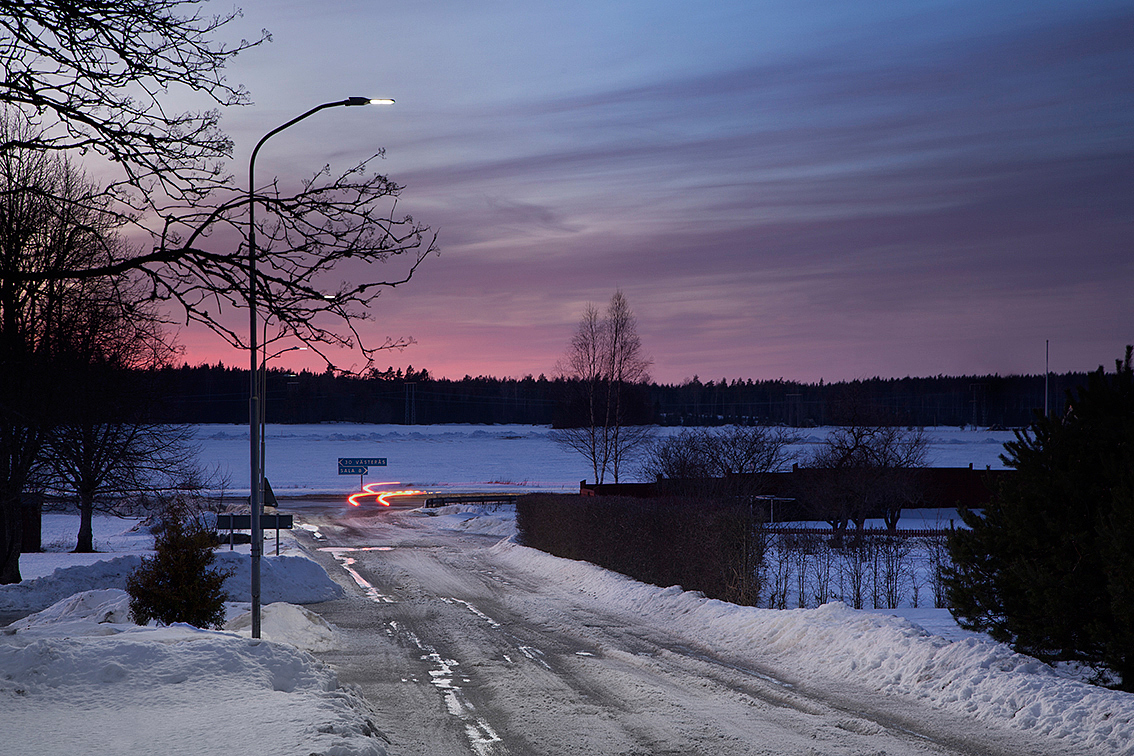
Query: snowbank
point(495, 520)
point(79, 678)
point(836, 646)
point(288, 623)
point(293, 579)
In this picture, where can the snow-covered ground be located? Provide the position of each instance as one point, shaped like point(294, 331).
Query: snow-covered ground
point(303, 459)
point(79, 677)
point(834, 644)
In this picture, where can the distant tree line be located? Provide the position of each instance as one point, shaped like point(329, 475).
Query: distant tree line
point(219, 394)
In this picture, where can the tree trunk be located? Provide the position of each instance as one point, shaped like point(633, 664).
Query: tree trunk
point(11, 537)
point(86, 527)
point(859, 531)
point(838, 532)
point(892, 515)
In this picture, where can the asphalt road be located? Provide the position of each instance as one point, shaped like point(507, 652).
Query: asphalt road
point(460, 653)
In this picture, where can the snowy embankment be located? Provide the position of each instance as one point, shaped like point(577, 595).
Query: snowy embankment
point(837, 648)
point(80, 677)
point(293, 579)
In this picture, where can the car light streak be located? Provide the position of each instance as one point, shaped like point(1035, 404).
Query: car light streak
point(382, 497)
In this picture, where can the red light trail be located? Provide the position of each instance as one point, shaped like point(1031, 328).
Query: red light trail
point(382, 497)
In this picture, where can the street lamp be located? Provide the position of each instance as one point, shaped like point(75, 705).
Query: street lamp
point(257, 473)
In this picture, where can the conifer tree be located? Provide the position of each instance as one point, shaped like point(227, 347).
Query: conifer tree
point(178, 583)
point(1047, 566)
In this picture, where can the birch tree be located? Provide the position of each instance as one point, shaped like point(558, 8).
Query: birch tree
point(605, 360)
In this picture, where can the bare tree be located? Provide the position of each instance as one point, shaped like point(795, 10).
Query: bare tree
point(39, 314)
point(682, 456)
point(584, 365)
point(118, 466)
point(104, 448)
point(627, 365)
point(726, 461)
point(93, 79)
point(606, 361)
point(861, 471)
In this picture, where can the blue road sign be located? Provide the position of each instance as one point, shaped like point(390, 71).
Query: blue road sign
point(362, 461)
point(352, 470)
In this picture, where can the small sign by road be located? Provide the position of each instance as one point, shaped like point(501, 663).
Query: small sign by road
point(359, 465)
point(362, 461)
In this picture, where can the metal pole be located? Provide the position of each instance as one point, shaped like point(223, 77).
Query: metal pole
point(263, 378)
point(1046, 374)
point(257, 474)
point(254, 400)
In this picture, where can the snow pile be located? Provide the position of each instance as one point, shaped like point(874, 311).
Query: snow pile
point(974, 676)
point(284, 578)
point(40, 593)
point(102, 608)
point(79, 679)
point(853, 649)
point(288, 623)
point(107, 608)
point(494, 520)
point(293, 579)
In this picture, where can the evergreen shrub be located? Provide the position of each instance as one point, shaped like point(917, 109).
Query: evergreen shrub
point(1048, 565)
point(178, 583)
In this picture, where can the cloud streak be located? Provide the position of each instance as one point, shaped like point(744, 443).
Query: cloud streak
point(934, 187)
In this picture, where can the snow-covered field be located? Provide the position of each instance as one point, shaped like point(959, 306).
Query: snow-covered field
point(302, 459)
point(79, 677)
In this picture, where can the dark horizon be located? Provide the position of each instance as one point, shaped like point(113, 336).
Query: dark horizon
point(217, 394)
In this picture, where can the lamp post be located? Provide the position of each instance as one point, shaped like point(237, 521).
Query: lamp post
point(257, 473)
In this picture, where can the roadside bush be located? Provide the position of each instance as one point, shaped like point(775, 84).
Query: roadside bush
point(178, 584)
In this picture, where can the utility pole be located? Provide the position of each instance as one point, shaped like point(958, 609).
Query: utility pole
point(411, 403)
point(1046, 375)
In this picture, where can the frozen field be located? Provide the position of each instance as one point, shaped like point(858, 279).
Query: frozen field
point(302, 459)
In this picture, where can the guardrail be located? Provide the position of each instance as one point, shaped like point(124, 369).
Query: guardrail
point(851, 532)
point(441, 501)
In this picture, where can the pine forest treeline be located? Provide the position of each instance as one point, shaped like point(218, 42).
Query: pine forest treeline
point(219, 394)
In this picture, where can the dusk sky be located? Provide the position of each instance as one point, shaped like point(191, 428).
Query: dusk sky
point(802, 190)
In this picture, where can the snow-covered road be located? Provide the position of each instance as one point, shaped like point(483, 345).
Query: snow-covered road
point(464, 647)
